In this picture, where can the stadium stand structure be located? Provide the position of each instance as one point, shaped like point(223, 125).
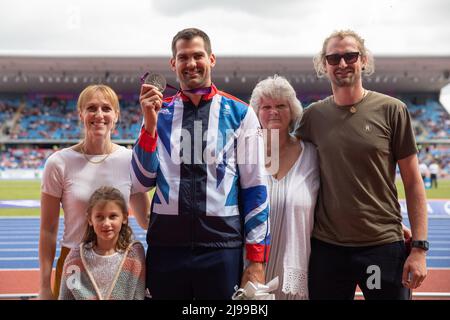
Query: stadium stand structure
point(34, 123)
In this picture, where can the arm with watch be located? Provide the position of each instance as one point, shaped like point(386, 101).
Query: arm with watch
point(415, 268)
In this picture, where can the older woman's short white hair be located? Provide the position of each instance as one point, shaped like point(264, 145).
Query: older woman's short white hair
point(278, 88)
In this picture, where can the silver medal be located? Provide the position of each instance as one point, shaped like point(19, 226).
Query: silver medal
point(157, 80)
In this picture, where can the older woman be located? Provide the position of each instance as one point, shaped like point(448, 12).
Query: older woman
point(72, 174)
point(293, 183)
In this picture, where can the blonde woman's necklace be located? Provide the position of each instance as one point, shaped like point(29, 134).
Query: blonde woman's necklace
point(99, 161)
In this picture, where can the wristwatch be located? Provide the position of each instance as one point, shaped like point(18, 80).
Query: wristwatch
point(422, 244)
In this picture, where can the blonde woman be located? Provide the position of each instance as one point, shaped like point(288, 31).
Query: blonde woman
point(72, 174)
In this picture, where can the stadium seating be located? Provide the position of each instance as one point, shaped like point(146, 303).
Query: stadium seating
point(432, 119)
point(8, 108)
point(47, 118)
point(24, 158)
point(54, 118)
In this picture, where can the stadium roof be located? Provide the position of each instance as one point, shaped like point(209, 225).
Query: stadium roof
point(237, 75)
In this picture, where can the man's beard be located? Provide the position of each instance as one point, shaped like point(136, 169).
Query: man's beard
point(347, 81)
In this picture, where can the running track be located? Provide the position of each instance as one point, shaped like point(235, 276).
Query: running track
point(19, 261)
point(19, 238)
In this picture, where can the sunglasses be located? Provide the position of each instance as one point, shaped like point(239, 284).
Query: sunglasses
point(335, 59)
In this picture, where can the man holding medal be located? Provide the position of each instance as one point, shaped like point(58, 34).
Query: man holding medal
point(210, 198)
point(361, 136)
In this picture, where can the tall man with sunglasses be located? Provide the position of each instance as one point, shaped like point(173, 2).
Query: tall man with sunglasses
point(203, 150)
point(361, 136)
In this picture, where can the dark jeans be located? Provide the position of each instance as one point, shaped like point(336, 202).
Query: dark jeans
point(433, 178)
point(184, 273)
point(334, 271)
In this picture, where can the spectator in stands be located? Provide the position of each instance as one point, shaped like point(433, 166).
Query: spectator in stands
point(360, 137)
point(434, 173)
point(24, 158)
point(293, 184)
point(72, 174)
point(424, 172)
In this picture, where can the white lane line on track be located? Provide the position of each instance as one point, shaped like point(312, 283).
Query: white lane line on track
point(21, 269)
point(21, 259)
point(36, 237)
point(37, 258)
point(18, 242)
point(20, 250)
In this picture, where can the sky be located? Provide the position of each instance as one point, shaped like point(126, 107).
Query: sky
point(236, 27)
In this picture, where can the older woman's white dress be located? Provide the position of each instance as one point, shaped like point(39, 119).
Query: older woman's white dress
point(292, 202)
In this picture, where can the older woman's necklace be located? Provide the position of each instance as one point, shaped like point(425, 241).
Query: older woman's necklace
point(99, 161)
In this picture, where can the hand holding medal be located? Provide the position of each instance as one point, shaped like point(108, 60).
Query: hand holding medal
point(155, 79)
point(150, 99)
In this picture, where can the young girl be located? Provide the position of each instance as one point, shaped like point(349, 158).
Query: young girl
point(107, 265)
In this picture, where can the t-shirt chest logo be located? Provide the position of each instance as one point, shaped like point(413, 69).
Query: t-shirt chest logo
point(367, 128)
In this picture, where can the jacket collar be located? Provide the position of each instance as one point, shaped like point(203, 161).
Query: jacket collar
point(205, 97)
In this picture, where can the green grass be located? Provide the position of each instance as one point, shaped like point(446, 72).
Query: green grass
point(30, 190)
point(24, 190)
point(20, 189)
point(22, 212)
point(442, 192)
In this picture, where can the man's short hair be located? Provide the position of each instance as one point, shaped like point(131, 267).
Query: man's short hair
point(189, 34)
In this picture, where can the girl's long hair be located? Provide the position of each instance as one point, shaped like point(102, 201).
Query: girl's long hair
point(100, 197)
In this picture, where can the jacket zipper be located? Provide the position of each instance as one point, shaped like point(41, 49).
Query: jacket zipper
point(194, 202)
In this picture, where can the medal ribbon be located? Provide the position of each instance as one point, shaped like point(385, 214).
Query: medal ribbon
point(200, 91)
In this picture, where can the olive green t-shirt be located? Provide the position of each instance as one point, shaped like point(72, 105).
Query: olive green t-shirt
point(358, 152)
